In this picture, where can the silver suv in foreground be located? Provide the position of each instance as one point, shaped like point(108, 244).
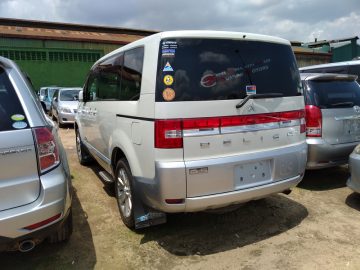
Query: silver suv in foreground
point(332, 118)
point(35, 185)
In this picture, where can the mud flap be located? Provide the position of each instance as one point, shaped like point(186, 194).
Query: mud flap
point(145, 216)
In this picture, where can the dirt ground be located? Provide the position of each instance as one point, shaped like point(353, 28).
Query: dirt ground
point(317, 226)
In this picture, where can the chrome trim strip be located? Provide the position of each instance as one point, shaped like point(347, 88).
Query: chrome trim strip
point(351, 117)
point(200, 132)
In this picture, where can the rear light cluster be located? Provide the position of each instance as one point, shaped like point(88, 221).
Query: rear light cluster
point(48, 152)
point(313, 121)
point(170, 133)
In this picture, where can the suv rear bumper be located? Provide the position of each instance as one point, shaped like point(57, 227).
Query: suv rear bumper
point(54, 198)
point(170, 181)
point(323, 155)
point(354, 180)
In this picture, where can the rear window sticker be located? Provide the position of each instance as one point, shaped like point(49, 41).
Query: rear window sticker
point(168, 52)
point(17, 117)
point(168, 80)
point(19, 125)
point(168, 94)
point(168, 67)
point(250, 90)
point(211, 79)
point(169, 45)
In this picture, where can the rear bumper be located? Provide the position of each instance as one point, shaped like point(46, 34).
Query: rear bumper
point(54, 198)
point(288, 165)
point(239, 196)
point(323, 155)
point(354, 179)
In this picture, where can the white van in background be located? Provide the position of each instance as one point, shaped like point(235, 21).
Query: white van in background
point(187, 121)
point(346, 67)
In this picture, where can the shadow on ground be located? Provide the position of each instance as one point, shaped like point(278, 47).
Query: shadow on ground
point(353, 200)
point(325, 179)
point(78, 253)
point(208, 233)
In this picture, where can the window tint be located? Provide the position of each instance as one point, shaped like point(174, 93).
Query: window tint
point(11, 112)
point(219, 69)
point(333, 94)
point(131, 74)
point(117, 78)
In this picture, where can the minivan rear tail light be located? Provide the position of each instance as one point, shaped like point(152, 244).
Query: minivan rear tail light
point(168, 134)
point(47, 150)
point(313, 121)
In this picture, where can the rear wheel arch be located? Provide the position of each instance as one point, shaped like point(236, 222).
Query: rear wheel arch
point(116, 155)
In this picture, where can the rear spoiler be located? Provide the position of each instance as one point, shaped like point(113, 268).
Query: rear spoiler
point(329, 77)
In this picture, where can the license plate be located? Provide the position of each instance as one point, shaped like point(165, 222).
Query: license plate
point(253, 173)
point(352, 126)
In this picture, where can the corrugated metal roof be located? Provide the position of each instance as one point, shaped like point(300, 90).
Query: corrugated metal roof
point(72, 32)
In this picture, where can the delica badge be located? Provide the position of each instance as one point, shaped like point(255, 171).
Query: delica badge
point(250, 90)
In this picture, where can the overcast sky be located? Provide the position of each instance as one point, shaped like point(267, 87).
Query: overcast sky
point(290, 19)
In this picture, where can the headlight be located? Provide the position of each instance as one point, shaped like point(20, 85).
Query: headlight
point(65, 110)
point(357, 150)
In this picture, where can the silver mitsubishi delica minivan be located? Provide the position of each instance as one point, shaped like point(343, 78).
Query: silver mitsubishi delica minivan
point(187, 121)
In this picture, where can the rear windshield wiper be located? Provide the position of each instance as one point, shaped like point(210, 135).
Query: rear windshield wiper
point(340, 104)
point(257, 96)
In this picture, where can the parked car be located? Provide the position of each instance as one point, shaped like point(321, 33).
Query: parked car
point(64, 105)
point(354, 167)
point(346, 67)
point(46, 94)
point(332, 118)
point(187, 121)
point(35, 190)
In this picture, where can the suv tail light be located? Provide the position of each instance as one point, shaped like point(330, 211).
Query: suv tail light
point(313, 121)
point(170, 133)
point(47, 150)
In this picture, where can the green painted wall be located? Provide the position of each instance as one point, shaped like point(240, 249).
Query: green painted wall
point(345, 53)
point(61, 63)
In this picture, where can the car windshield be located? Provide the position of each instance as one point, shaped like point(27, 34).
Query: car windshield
point(69, 95)
point(333, 94)
point(51, 92)
point(191, 69)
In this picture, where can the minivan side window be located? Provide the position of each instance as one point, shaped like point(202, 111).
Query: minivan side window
point(132, 74)
point(117, 78)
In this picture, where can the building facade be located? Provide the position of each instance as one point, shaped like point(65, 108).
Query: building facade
point(57, 53)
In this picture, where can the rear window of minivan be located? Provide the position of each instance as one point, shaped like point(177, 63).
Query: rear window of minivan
point(332, 93)
point(11, 112)
point(191, 69)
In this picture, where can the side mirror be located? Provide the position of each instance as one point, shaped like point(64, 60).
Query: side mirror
point(81, 96)
point(55, 98)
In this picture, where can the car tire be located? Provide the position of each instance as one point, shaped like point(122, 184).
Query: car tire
point(60, 125)
point(64, 232)
point(81, 150)
point(124, 192)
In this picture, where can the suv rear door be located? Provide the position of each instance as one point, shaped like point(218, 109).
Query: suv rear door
point(200, 81)
point(336, 98)
point(19, 179)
